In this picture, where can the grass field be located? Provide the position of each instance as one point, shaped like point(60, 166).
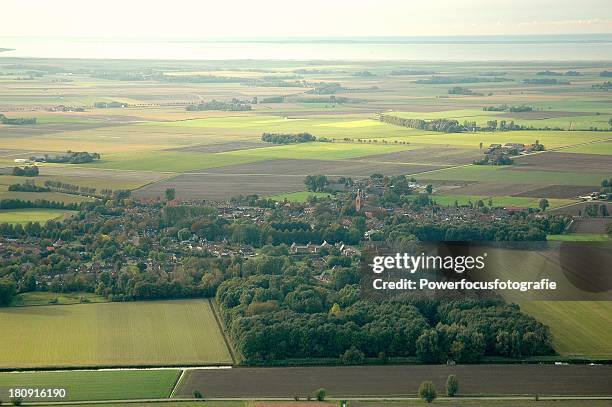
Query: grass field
point(332, 126)
point(22, 216)
point(579, 237)
point(98, 385)
point(165, 161)
point(49, 196)
point(212, 403)
point(505, 174)
point(301, 196)
point(582, 328)
point(595, 148)
point(112, 334)
point(321, 151)
point(47, 298)
point(498, 201)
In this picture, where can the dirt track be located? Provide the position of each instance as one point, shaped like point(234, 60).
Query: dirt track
point(399, 380)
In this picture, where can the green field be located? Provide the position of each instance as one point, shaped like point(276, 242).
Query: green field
point(505, 174)
point(301, 196)
point(22, 216)
point(331, 126)
point(579, 328)
point(498, 201)
point(98, 385)
point(578, 122)
point(210, 403)
point(579, 237)
point(595, 148)
point(49, 196)
point(321, 151)
point(47, 298)
point(165, 161)
point(112, 334)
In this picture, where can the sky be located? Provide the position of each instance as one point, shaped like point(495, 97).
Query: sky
point(306, 18)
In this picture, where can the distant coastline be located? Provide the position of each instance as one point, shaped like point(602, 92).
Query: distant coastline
point(550, 48)
point(6, 49)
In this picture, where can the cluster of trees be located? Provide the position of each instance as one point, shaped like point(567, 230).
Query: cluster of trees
point(198, 79)
point(316, 183)
point(38, 203)
point(516, 228)
point(273, 99)
point(441, 125)
point(110, 105)
point(596, 210)
point(280, 313)
point(70, 157)
point(544, 81)
point(446, 80)
point(71, 188)
point(459, 90)
point(401, 72)
point(8, 290)
point(495, 159)
point(506, 108)
point(27, 171)
point(283, 138)
point(451, 125)
point(17, 121)
point(553, 73)
point(331, 99)
point(234, 106)
point(494, 125)
point(364, 74)
point(606, 86)
point(27, 187)
point(326, 88)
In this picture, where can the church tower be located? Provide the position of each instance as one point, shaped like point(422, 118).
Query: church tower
point(358, 202)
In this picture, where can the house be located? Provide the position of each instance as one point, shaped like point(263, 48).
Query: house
point(516, 209)
point(301, 249)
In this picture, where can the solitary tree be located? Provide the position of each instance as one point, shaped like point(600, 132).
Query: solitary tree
point(429, 188)
point(8, 289)
point(544, 204)
point(452, 385)
point(427, 391)
point(320, 394)
point(170, 194)
point(352, 356)
point(197, 394)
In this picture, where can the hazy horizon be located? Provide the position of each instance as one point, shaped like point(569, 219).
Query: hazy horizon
point(561, 47)
point(316, 18)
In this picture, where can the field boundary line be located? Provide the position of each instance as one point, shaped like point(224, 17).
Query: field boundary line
point(228, 345)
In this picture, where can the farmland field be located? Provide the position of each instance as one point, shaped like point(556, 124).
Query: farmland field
point(510, 175)
point(300, 196)
point(22, 216)
point(581, 328)
point(98, 385)
point(160, 136)
point(112, 334)
point(47, 297)
point(397, 381)
point(447, 200)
